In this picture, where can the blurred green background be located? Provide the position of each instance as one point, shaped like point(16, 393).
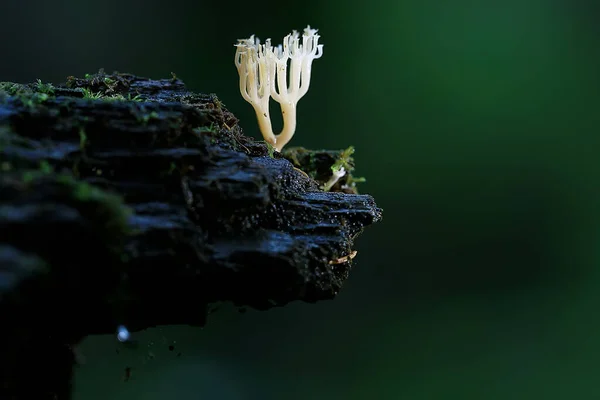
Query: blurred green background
point(476, 125)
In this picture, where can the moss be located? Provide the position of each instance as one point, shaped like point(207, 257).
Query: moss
point(89, 94)
point(206, 129)
point(109, 208)
point(46, 88)
point(108, 87)
point(36, 93)
point(99, 206)
point(320, 165)
point(14, 89)
point(133, 98)
point(31, 100)
point(144, 118)
point(29, 95)
point(46, 168)
point(32, 175)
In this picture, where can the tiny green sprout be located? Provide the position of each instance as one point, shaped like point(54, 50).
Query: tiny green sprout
point(212, 128)
point(46, 88)
point(110, 83)
point(137, 97)
point(39, 98)
point(270, 149)
point(337, 172)
point(88, 94)
point(344, 160)
point(352, 181)
point(340, 168)
point(115, 97)
point(119, 97)
point(206, 129)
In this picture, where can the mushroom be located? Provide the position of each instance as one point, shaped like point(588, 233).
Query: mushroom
point(263, 71)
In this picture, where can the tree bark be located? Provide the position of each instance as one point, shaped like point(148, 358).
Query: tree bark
point(125, 200)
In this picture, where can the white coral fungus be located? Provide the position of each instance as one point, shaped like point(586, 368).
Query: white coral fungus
point(263, 71)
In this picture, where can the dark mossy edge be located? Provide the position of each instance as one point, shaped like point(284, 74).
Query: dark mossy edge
point(104, 210)
point(321, 164)
point(123, 87)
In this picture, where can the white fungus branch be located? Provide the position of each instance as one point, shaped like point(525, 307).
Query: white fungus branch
point(336, 175)
point(263, 71)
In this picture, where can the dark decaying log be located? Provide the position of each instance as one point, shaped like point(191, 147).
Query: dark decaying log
point(125, 200)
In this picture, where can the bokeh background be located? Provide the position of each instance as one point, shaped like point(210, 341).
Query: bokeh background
point(476, 126)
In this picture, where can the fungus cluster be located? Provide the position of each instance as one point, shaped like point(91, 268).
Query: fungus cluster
point(263, 71)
